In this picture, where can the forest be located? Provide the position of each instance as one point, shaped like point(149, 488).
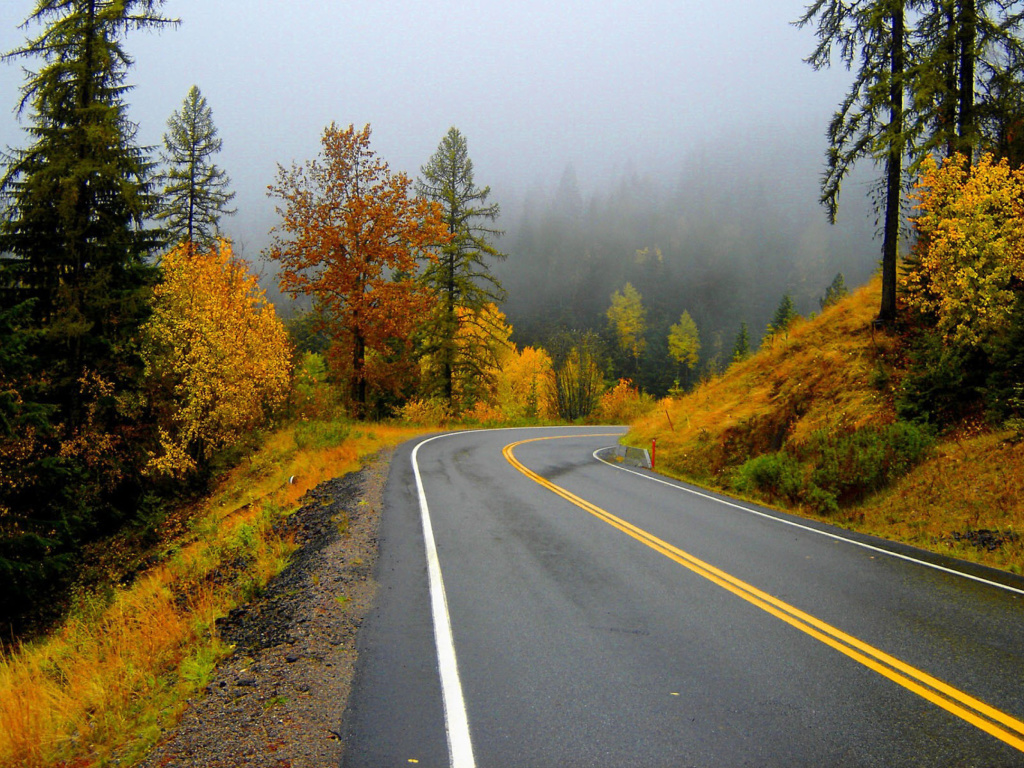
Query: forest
point(139, 355)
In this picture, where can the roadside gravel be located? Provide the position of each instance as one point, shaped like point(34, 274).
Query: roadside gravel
point(278, 700)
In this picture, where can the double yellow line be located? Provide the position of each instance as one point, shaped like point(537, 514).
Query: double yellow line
point(989, 719)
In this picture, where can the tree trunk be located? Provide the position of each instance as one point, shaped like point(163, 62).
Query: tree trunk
point(893, 172)
point(967, 31)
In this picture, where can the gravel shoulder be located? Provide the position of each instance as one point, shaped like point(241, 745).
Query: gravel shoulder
point(277, 701)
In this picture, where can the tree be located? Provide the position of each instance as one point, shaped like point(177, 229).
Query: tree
point(460, 278)
point(351, 236)
point(968, 83)
point(835, 292)
point(576, 376)
point(218, 360)
point(870, 122)
point(785, 315)
point(684, 343)
point(195, 190)
point(741, 347)
point(968, 265)
point(628, 319)
point(74, 256)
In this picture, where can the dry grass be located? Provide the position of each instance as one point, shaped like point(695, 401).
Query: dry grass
point(101, 687)
point(834, 372)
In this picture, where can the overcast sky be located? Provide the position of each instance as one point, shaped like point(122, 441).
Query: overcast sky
point(534, 85)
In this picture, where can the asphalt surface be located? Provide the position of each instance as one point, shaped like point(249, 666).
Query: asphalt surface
point(579, 645)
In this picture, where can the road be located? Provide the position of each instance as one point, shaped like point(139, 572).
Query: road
point(595, 615)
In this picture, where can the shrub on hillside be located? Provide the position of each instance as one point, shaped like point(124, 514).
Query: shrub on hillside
point(623, 403)
point(776, 475)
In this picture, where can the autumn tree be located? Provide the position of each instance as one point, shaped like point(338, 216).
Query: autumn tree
point(195, 190)
point(684, 343)
point(218, 360)
point(460, 278)
point(523, 387)
point(628, 320)
point(352, 237)
point(967, 269)
point(73, 261)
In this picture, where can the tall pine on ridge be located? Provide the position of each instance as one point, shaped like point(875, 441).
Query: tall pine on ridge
point(460, 278)
point(74, 284)
point(195, 190)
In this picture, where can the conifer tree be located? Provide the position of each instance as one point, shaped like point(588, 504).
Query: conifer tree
point(871, 121)
point(460, 279)
point(195, 190)
point(835, 292)
point(74, 251)
point(741, 347)
point(785, 315)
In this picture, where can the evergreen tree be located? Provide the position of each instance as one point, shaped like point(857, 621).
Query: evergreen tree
point(460, 278)
point(74, 261)
point(968, 81)
point(195, 190)
point(741, 347)
point(871, 121)
point(785, 315)
point(835, 292)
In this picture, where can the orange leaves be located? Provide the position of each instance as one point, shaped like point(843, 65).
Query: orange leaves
point(970, 251)
point(218, 360)
point(351, 235)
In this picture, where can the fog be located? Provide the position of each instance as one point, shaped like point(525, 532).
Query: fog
point(708, 105)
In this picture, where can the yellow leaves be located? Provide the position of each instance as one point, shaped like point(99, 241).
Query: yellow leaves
point(970, 250)
point(218, 360)
point(629, 320)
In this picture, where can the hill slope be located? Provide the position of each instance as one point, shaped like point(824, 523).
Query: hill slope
point(830, 376)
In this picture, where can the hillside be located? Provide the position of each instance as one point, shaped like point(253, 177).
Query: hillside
point(831, 376)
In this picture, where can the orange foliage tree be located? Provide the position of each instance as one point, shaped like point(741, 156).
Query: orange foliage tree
point(217, 358)
point(523, 385)
point(352, 236)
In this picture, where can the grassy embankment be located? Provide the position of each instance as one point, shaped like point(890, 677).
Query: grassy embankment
point(833, 374)
point(121, 667)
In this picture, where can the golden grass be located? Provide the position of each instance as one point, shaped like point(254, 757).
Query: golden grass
point(819, 375)
point(101, 686)
point(834, 372)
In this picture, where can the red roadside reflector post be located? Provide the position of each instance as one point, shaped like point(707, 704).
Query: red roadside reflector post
point(654, 450)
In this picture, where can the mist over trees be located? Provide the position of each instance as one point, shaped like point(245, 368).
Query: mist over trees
point(734, 231)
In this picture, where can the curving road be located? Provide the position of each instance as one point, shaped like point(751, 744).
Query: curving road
point(601, 616)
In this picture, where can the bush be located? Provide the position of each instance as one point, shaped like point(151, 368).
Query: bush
point(853, 465)
point(430, 412)
point(623, 404)
point(777, 475)
point(321, 434)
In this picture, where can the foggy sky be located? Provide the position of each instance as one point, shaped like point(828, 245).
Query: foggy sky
point(605, 85)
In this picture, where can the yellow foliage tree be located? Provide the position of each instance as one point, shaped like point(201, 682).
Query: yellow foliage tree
point(969, 258)
point(217, 357)
point(524, 385)
point(628, 319)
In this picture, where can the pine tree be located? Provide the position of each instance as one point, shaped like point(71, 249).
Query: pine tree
point(460, 279)
point(74, 251)
point(741, 347)
point(871, 121)
point(785, 315)
point(195, 190)
point(835, 292)
point(968, 83)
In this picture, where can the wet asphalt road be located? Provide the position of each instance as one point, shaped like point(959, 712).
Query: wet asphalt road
point(580, 645)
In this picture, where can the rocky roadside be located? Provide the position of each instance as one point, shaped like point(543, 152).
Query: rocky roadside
point(277, 701)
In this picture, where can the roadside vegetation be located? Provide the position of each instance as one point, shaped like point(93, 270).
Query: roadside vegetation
point(812, 423)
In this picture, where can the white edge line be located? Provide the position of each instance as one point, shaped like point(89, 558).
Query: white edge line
point(456, 720)
point(835, 536)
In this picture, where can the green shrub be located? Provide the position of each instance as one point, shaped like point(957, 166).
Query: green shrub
point(777, 475)
point(851, 466)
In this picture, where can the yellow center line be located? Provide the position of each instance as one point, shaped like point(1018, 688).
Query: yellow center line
point(989, 719)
